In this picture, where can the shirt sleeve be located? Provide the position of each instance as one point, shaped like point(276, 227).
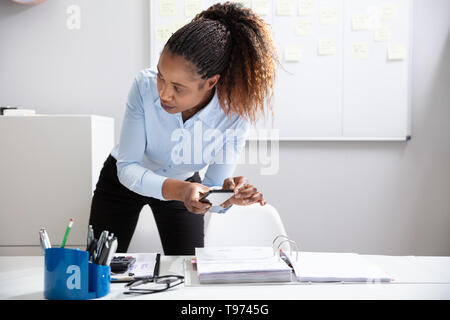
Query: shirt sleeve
point(225, 162)
point(132, 147)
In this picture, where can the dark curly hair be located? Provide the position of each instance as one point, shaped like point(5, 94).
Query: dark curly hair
point(234, 42)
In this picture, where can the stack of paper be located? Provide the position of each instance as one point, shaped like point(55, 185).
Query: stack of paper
point(336, 267)
point(259, 264)
point(240, 264)
point(19, 112)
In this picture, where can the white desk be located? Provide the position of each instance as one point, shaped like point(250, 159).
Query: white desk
point(415, 278)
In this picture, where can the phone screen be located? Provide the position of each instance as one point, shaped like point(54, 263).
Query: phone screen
point(217, 197)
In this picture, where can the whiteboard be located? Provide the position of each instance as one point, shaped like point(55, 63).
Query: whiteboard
point(346, 65)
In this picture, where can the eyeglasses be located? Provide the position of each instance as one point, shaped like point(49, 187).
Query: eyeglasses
point(149, 285)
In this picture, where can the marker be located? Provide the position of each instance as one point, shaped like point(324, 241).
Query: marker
point(67, 232)
point(46, 238)
point(112, 252)
point(100, 244)
point(45, 241)
point(104, 254)
point(92, 249)
point(90, 237)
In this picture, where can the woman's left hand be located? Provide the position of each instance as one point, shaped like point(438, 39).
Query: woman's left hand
point(244, 193)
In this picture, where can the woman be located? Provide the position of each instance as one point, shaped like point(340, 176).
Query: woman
point(214, 75)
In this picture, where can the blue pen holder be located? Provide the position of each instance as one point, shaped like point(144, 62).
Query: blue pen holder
point(70, 276)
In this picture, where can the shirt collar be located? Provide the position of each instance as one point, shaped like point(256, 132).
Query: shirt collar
point(211, 110)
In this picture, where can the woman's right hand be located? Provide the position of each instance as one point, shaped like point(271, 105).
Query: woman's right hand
point(187, 192)
point(191, 195)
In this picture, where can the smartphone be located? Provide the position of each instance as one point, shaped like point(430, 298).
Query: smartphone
point(217, 197)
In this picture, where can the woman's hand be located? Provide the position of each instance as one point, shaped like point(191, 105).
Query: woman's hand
point(187, 192)
point(244, 193)
point(190, 196)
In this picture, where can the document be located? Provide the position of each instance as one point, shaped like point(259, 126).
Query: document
point(240, 264)
point(261, 265)
point(145, 266)
point(336, 267)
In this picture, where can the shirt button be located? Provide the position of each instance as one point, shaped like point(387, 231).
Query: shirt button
point(164, 170)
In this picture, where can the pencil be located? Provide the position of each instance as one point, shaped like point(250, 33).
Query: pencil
point(67, 232)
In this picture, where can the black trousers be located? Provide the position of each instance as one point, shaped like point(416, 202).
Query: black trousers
point(116, 209)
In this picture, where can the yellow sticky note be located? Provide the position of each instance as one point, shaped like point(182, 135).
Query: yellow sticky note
point(262, 7)
point(192, 7)
point(388, 11)
point(396, 51)
point(326, 47)
point(360, 50)
point(382, 33)
point(292, 53)
point(303, 27)
point(306, 7)
point(179, 24)
point(360, 22)
point(285, 7)
point(163, 34)
point(167, 8)
point(328, 16)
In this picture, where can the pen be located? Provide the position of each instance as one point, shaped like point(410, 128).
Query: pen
point(41, 240)
point(112, 251)
point(92, 249)
point(67, 232)
point(44, 240)
point(101, 260)
point(90, 237)
point(100, 244)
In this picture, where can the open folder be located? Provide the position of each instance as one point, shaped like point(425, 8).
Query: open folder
point(273, 264)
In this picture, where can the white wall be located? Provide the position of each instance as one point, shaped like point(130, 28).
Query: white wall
point(46, 66)
point(366, 197)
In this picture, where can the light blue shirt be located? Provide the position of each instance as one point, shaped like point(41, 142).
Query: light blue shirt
point(155, 145)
